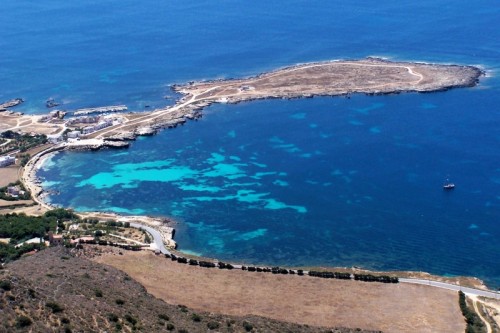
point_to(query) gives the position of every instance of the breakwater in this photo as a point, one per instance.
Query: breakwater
(102, 109)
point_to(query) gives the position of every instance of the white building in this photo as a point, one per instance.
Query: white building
(102, 124)
(6, 161)
(36, 240)
(55, 138)
(74, 134)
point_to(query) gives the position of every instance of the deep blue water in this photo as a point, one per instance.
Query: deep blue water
(324, 181)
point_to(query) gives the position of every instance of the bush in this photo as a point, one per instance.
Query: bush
(170, 327)
(98, 293)
(65, 320)
(23, 321)
(213, 325)
(5, 285)
(112, 317)
(54, 307)
(247, 326)
(61, 214)
(130, 319)
(32, 293)
(119, 301)
(206, 264)
(164, 317)
(196, 318)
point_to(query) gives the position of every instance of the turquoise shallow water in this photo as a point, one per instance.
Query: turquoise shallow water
(325, 181)
(342, 182)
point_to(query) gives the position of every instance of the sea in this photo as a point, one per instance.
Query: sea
(306, 182)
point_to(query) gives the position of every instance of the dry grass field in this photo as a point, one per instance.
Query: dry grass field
(303, 300)
(8, 175)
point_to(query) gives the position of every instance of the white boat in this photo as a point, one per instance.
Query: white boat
(448, 185)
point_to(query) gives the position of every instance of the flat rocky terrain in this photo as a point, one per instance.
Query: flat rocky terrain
(369, 76)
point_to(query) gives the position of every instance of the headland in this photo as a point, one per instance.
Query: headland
(331, 78)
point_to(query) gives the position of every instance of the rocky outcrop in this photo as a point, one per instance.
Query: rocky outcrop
(145, 131)
(9, 104)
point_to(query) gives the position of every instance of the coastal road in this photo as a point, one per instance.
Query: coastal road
(158, 240)
(449, 286)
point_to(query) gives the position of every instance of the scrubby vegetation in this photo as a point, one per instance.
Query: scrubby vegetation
(21, 227)
(376, 278)
(66, 302)
(474, 323)
(21, 142)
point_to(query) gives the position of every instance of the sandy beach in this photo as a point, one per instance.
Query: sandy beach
(30, 179)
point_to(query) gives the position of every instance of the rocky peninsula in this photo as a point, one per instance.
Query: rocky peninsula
(332, 78)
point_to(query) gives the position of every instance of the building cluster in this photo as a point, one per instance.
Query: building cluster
(100, 125)
(6, 161)
(84, 120)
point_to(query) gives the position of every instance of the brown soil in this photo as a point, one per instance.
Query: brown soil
(5, 203)
(8, 175)
(304, 300)
(35, 210)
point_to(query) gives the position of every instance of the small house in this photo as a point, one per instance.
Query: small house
(6, 161)
(55, 240)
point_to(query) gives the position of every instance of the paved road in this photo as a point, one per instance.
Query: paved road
(158, 240)
(477, 292)
(449, 286)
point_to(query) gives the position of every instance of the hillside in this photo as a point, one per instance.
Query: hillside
(53, 291)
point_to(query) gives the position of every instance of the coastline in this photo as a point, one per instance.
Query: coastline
(166, 228)
(188, 106)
